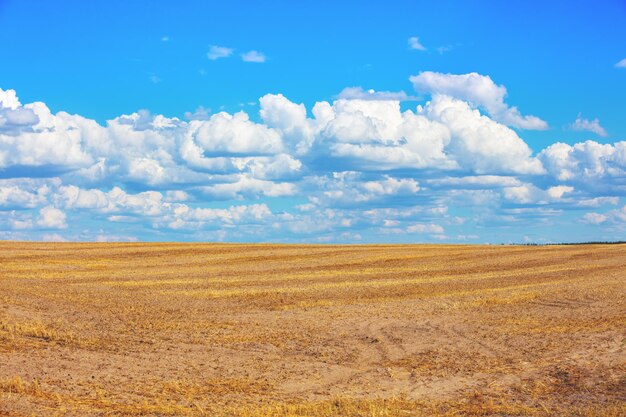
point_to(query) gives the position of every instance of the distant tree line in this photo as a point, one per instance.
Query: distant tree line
(611, 242)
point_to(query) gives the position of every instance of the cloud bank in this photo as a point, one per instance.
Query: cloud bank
(359, 168)
(479, 90)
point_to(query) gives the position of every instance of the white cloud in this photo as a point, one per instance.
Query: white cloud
(621, 64)
(531, 194)
(612, 219)
(281, 166)
(290, 119)
(425, 228)
(253, 56)
(184, 217)
(176, 196)
(227, 134)
(201, 113)
(9, 100)
(589, 126)
(145, 170)
(443, 49)
(479, 90)
(72, 196)
(392, 186)
(618, 216)
(445, 134)
(217, 52)
(476, 181)
(363, 121)
(369, 134)
(557, 192)
(104, 237)
(479, 143)
(598, 201)
(344, 189)
(43, 140)
(20, 223)
(358, 93)
(148, 203)
(375, 134)
(22, 193)
(585, 162)
(51, 218)
(15, 120)
(247, 187)
(53, 237)
(414, 43)
(351, 167)
(595, 218)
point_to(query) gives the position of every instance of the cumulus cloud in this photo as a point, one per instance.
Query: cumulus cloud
(478, 142)
(598, 201)
(226, 134)
(479, 90)
(367, 134)
(349, 187)
(53, 237)
(588, 126)
(476, 181)
(595, 218)
(530, 194)
(290, 121)
(425, 228)
(612, 219)
(51, 218)
(414, 43)
(23, 193)
(104, 237)
(621, 64)
(585, 162)
(247, 187)
(352, 93)
(31, 136)
(9, 100)
(253, 56)
(14, 118)
(185, 217)
(350, 168)
(201, 113)
(216, 52)
(443, 49)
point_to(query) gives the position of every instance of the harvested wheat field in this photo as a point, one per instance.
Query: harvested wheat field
(280, 330)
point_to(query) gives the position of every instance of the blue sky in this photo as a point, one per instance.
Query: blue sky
(406, 121)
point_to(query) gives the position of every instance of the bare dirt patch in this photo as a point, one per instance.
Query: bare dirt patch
(287, 330)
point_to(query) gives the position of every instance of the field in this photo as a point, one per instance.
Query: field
(281, 330)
